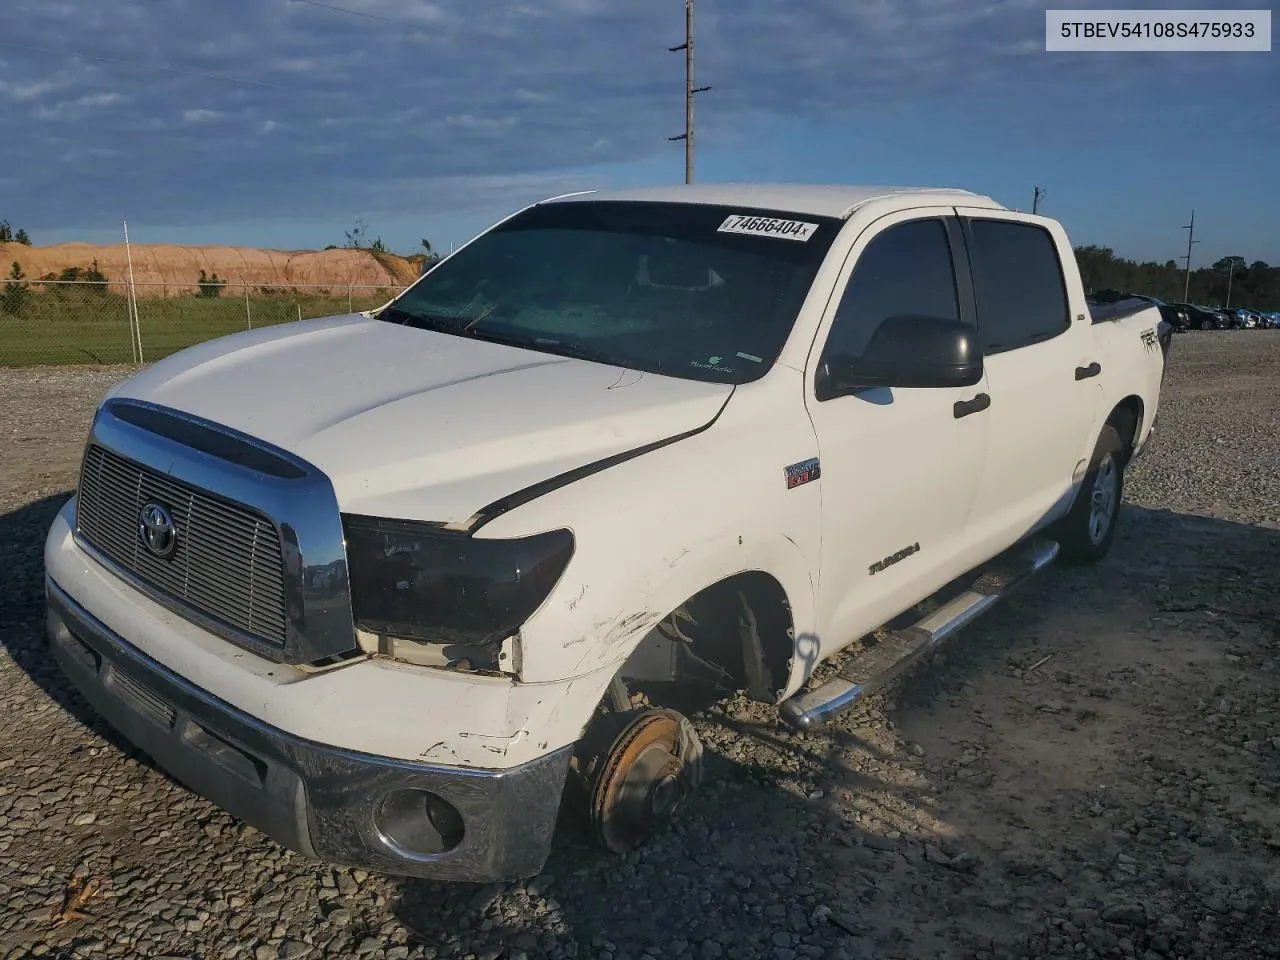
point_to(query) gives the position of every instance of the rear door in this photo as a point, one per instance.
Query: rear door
(900, 466)
(1043, 374)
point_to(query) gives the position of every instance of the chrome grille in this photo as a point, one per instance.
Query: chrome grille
(227, 565)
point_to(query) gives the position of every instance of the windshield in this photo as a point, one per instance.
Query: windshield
(694, 291)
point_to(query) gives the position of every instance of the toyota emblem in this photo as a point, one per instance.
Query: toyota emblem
(157, 531)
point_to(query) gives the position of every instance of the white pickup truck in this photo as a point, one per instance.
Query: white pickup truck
(392, 586)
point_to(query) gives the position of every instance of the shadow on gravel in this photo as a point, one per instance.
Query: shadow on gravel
(735, 878)
(22, 614)
(1178, 563)
(756, 869)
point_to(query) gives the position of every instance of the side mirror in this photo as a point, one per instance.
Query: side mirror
(907, 351)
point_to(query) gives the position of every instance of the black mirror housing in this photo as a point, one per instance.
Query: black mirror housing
(907, 351)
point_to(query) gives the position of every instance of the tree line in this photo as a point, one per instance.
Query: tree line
(1254, 286)
(9, 235)
(17, 287)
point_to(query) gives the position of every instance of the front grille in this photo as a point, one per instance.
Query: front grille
(227, 564)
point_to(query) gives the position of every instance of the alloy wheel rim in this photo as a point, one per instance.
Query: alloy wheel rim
(1103, 498)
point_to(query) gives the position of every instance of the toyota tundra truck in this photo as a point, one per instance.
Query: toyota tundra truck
(400, 588)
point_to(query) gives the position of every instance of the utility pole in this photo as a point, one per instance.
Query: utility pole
(689, 90)
(1035, 203)
(1231, 268)
(1191, 232)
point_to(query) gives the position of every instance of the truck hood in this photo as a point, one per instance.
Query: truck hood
(422, 425)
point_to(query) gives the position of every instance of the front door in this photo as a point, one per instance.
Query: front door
(900, 466)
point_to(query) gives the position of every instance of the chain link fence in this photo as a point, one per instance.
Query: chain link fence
(93, 322)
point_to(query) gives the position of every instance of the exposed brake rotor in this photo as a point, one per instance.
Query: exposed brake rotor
(652, 764)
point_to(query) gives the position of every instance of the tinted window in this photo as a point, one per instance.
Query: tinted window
(1018, 283)
(687, 290)
(906, 270)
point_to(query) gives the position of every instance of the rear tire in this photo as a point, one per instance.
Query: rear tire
(1086, 532)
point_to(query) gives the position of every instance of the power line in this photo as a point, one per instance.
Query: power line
(510, 8)
(354, 13)
(144, 66)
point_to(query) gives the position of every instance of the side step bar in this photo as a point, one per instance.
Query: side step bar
(878, 665)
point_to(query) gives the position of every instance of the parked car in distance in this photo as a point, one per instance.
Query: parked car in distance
(1227, 319)
(384, 585)
(1198, 318)
(1171, 313)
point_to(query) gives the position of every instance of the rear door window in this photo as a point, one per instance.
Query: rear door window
(1018, 282)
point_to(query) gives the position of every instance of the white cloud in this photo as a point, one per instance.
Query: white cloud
(524, 95)
(28, 91)
(99, 100)
(200, 115)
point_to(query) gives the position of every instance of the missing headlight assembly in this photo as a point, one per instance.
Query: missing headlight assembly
(440, 598)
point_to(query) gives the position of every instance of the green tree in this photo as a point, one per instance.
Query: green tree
(90, 279)
(22, 238)
(6, 232)
(1256, 287)
(209, 286)
(15, 291)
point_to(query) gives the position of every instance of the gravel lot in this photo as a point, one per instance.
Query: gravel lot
(1091, 771)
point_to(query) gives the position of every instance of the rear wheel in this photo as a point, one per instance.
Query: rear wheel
(1086, 532)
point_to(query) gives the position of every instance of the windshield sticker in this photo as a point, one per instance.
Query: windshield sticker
(747, 356)
(713, 363)
(768, 227)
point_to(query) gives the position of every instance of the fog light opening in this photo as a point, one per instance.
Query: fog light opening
(420, 823)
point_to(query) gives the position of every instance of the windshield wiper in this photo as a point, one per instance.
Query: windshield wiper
(467, 327)
(552, 346)
(426, 321)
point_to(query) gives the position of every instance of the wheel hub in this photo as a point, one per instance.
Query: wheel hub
(649, 768)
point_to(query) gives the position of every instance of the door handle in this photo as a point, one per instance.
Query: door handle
(965, 407)
(1092, 370)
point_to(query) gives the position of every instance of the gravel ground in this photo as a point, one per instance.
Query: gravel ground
(1091, 771)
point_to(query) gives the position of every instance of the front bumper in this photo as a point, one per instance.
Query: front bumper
(324, 802)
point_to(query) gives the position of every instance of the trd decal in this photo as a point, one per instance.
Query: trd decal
(804, 472)
(1150, 339)
(893, 558)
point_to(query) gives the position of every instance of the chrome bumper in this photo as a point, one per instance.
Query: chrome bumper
(329, 804)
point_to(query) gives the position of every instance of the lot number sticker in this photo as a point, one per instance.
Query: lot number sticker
(768, 227)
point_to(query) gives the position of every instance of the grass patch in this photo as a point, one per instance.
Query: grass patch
(89, 327)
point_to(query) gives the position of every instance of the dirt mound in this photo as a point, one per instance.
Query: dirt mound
(167, 270)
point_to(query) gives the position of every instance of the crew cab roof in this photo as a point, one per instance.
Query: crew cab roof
(819, 200)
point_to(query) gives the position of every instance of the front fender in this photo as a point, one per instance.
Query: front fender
(591, 626)
(657, 529)
(593, 622)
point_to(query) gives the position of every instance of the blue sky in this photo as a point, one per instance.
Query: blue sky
(280, 122)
